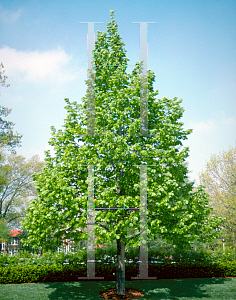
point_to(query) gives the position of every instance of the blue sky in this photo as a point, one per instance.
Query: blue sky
(191, 50)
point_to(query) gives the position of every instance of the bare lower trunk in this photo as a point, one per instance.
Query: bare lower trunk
(233, 240)
(120, 268)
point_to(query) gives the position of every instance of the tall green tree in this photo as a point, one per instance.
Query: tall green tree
(219, 178)
(117, 150)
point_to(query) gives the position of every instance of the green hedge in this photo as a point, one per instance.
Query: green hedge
(65, 273)
(43, 273)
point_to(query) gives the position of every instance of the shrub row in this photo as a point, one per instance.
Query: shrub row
(193, 270)
(48, 258)
(27, 258)
(40, 273)
(65, 273)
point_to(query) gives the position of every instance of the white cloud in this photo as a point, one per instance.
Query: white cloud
(212, 126)
(204, 126)
(32, 151)
(46, 148)
(229, 121)
(209, 137)
(37, 66)
(8, 16)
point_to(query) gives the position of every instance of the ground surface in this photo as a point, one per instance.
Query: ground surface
(178, 289)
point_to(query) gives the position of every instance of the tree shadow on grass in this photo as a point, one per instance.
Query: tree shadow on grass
(190, 288)
(77, 290)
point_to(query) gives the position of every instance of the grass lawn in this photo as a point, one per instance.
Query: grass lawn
(184, 289)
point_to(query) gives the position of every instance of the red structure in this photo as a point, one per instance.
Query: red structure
(13, 246)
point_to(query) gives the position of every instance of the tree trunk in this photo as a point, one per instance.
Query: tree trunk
(233, 240)
(120, 268)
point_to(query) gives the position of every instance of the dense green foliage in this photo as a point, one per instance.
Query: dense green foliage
(43, 273)
(175, 210)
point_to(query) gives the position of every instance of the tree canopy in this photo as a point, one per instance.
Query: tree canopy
(118, 150)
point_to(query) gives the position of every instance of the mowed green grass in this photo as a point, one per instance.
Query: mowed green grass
(184, 289)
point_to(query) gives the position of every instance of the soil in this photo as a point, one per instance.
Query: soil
(130, 293)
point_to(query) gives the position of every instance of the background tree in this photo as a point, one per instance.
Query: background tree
(4, 232)
(7, 138)
(3, 78)
(3, 171)
(18, 187)
(219, 178)
(117, 149)
(8, 141)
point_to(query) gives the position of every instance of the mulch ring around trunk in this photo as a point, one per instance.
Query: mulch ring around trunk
(130, 293)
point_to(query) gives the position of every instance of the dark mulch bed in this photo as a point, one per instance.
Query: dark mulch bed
(130, 293)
